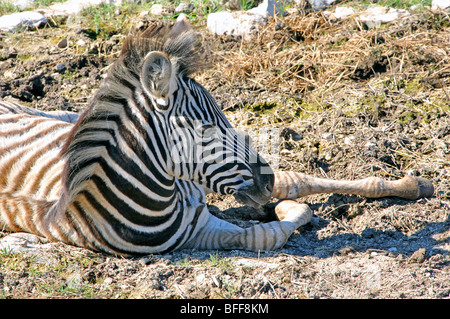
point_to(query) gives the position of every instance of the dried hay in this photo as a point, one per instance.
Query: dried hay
(300, 54)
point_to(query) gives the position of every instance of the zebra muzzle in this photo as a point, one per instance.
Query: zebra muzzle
(257, 194)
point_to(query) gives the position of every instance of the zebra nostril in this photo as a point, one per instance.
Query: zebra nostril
(269, 188)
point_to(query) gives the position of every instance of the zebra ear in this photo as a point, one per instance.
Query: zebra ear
(155, 77)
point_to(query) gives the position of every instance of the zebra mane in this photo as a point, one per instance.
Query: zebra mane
(179, 41)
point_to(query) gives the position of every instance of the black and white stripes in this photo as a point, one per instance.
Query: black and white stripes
(130, 176)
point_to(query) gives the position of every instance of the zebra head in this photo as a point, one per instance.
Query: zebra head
(201, 144)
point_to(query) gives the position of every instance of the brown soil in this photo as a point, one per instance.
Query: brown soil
(350, 102)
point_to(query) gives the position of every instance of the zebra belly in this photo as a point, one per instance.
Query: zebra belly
(109, 229)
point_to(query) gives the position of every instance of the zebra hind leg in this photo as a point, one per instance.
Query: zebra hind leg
(219, 234)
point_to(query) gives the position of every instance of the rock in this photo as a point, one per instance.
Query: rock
(242, 23)
(320, 4)
(62, 43)
(17, 20)
(267, 7)
(72, 7)
(238, 23)
(340, 13)
(81, 42)
(60, 67)
(23, 242)
(376, 16)
(370, 145)
(159, 10)
(245, 262)
(348, 140)
(437, 5)
(185, 8)
(418, 256)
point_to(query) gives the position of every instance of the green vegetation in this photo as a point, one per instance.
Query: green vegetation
(60, 273)
(215, 260)
(7, 7)
(404, 4)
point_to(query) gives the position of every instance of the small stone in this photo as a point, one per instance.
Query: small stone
(185, 8)
(349, 140)
(160, 10)
(217, 282)
(346, 250)
(200, 278)
(418, 256)
(267, 7)
(81, 42)
(143, 14)
(60, 67)
(4, 64)
(320, 4)
(370, 145)
(144, 261)
(63, 43)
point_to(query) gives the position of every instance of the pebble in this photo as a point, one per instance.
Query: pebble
(185, 8)
(418, 256)
(217, 282)
(159, 10)
(349, 140)
(320, 4)
(81, 42)
(60, 67)
(370, 145)
(200, 278)
(4, 64)
(63, 43)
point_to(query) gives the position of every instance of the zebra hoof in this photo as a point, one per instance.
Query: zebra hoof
(291, 211)
(425, 187)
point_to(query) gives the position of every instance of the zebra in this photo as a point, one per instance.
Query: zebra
(121, 178)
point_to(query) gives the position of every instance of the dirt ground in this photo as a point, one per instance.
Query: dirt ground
(349, 102)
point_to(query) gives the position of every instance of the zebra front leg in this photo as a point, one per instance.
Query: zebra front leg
(290, 185)
(219, 234)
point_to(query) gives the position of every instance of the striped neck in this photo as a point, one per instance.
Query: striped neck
(116, 150)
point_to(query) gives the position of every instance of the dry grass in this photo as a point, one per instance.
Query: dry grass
(312, 57)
